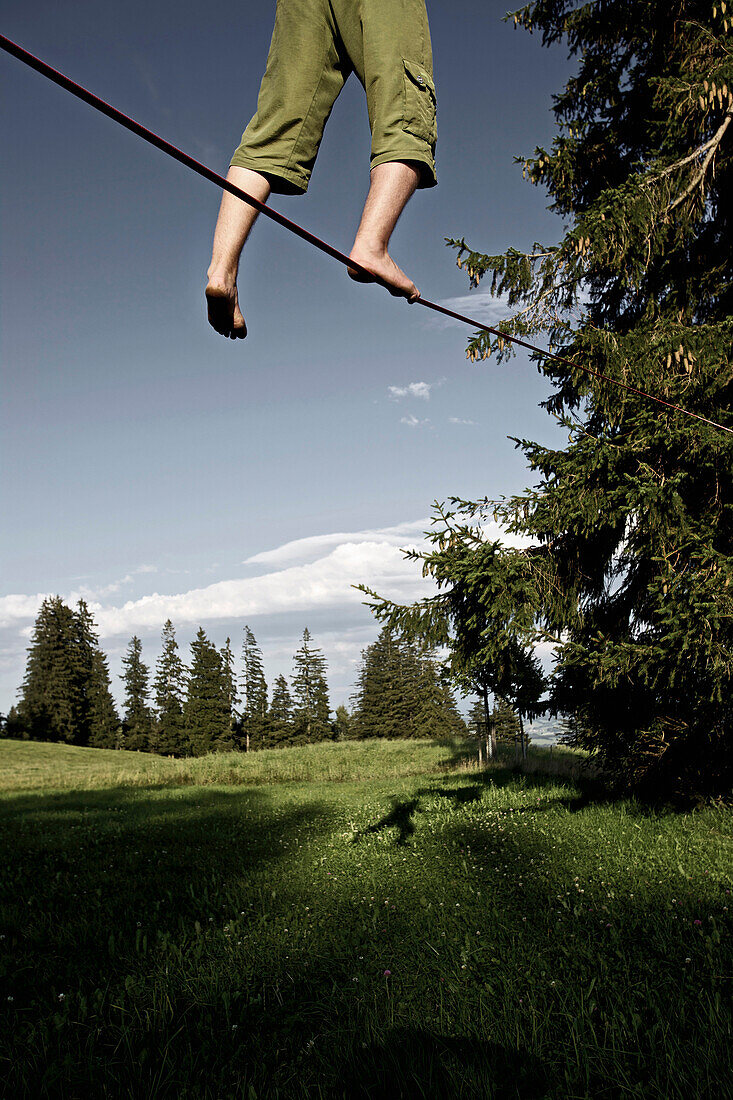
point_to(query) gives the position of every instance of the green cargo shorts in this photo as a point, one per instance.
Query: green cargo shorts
(316, 45)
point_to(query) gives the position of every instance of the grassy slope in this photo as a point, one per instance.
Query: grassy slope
(26, 765)
(216, 941)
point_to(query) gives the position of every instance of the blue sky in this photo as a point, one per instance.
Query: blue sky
(154, 467)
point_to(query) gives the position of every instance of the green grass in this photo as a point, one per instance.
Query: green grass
(189, 939)
(28, 765)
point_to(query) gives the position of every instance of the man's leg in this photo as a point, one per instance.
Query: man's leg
(388, 43)
(306, 70)
(233, 226)
(392, 185)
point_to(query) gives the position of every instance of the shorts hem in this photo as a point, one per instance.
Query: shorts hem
(283, 181)
(428, 177)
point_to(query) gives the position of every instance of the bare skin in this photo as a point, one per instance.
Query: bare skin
(391, 187)
(233, 226)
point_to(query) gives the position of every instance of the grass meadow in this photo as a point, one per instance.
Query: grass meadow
(373, 920)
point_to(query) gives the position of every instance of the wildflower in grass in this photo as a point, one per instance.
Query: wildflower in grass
(62, 996)
(697, 923)
(688, 960)
(387, 973)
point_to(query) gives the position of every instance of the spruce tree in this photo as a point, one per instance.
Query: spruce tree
(97, 720)
(401, 693)
(477, 720)
(381, 700)
(105, 728)
(254, 693)
(630, 524)
(341, 724)
(436, 712)
(227, 738)
(280, 716)
(138, 720)
(169, 688)
(49, 697)
(207, 707)
(310, 693)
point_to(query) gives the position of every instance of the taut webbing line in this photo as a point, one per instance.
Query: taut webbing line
(201, 169)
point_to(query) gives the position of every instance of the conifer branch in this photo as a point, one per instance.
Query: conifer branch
(711, 147)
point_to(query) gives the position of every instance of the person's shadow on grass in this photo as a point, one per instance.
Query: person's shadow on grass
(399, 817)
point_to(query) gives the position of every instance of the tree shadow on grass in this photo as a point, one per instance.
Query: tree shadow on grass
(411, 1063)
(89, 864)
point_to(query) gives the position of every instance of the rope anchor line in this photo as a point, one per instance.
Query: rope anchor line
(183, 158)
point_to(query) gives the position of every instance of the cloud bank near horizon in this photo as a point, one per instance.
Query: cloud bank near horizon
(307, 581)
(317, 573)
(314, 573)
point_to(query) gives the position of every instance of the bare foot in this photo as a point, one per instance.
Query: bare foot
(223, 306)
(380, 263)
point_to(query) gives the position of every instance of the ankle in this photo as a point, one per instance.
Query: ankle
(220, 274)
(373, 246)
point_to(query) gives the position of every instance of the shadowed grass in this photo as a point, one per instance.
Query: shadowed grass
(461, 934)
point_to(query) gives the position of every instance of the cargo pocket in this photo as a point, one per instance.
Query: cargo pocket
(419, 106)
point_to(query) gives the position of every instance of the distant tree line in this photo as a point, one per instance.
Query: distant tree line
(215, 703)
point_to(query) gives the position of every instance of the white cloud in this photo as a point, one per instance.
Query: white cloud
(413, 389)
(324, 583)
(308, 549)
(460, 420)
(311, 574)
(16, 609)
(305, 581)
(413, 422)
(307, 574)
(481, 306)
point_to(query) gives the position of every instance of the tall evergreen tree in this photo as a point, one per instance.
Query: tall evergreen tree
(631, 552)
(436, 713)
(138, 719)
(206, 710)
(280, 716)
(310, 692)
(97, 719)
(341, 724)
(401, 693)
(629, 525)
(169, 689)
(48, 705)
(227, 739)
(254, 693)
(381, 702)
(105, 728)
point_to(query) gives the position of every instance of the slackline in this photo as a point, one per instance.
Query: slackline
(292, 227)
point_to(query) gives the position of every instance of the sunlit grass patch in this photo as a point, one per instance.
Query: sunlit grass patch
(26, 765)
